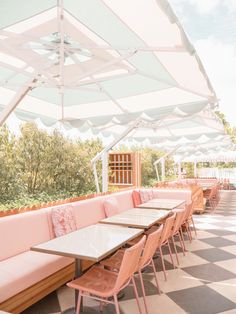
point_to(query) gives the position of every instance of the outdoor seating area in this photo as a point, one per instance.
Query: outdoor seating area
(41, 221)
(187, 258)
(110, 222)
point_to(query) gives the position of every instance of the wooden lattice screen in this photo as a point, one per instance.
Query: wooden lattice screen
(124, 169)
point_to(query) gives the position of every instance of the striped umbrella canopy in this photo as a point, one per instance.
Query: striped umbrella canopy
(94, 64)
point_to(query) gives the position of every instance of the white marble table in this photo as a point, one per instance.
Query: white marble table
(137, 218)
(91, 243)
(162, 203)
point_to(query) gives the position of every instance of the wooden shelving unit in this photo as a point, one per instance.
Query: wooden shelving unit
(124, 169)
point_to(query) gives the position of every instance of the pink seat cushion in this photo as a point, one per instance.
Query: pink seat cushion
(111, 206)
(146, 195)
(23, 270)
(63, 220)
(136, 198)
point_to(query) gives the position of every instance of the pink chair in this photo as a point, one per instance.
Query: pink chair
(146, 259)
(100, 284)
(165, 236)
(226, 185)
(187, 221)
(180, 214)
(218, 193)
(211, 197)
(191, 221)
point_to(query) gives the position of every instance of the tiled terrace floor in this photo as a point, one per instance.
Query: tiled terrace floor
(204, 283)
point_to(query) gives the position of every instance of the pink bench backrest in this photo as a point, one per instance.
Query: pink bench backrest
(88, 212)
(124, 200)
(91, 211)
(19, 232)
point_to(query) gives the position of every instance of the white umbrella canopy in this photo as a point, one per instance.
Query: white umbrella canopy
(186, 141)
(220, 155)
(197, 151)
(202, 143)
(94, 63)
(171, 131)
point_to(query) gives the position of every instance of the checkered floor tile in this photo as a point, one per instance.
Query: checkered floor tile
(203, 283)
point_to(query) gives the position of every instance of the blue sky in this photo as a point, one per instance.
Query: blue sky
(211, 27)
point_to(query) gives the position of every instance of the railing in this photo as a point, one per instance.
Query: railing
(219, 173)
(23, 209)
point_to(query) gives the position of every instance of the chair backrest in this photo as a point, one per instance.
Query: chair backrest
(180, 214)
(212, 194)
(129, 264)
(168, 225)
(151, 245)
(188, 212)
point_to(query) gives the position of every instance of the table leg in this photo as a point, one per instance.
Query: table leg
(78, 273)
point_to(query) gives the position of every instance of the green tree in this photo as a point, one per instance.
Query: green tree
(31, 151)
(9, 185)
(38, 166)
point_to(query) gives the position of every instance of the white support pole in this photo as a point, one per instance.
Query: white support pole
(104, 66)
(126, 48)
(195, 169)
(157, 173)
(160, 160)
(60, 17)
(16, 100)
(105, 172)
(44, 64)
(167, 154)
(179, 170)
(116, 140)
(105, 151)
(100, 87)
(95, 173)
(163, 169)
(102, 79)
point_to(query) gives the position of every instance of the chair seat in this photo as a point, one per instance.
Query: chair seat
(97, 281)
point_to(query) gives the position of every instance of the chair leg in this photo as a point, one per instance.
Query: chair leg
(212, 205)
(79, 302)
(163, 263)
(188, 232)
(181, 242)
(143, 290)
(182, 237)
(155, 275)
(116, 304)
(195, 230)
(136, 295)
(176, 253)
(101, 306)
(170, 252)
